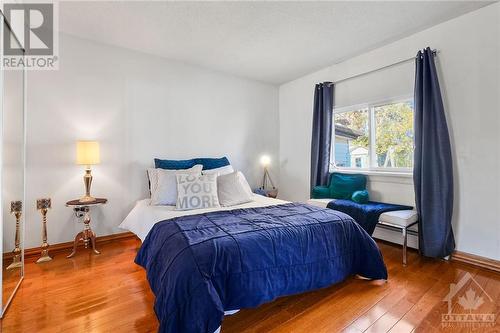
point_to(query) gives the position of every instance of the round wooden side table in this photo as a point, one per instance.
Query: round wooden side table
(82, 210)
(267, 193)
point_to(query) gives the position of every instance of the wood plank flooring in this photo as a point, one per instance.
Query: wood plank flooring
(109, 293)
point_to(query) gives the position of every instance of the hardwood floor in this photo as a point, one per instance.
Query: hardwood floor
(87, 293)
(109, 293)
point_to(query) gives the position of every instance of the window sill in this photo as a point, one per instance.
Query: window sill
(375, 173)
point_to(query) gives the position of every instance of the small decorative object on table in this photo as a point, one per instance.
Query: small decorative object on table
(267, 189)
(43, 205)
(16, 208)
(82, 210)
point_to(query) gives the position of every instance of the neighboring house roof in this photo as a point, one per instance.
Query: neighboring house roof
(361, 151)
(346, 132)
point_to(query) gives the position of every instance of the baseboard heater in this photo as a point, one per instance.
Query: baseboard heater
(393, 235)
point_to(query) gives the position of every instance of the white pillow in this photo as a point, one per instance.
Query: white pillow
(196, 192)
(233, 189)
(219, 171)
(164, 184)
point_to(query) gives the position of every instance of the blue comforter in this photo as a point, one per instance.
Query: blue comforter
(198, 266)
(366, 214)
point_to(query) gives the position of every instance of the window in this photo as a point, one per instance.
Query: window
(374, 136)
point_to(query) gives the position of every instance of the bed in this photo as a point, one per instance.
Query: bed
(201, 264)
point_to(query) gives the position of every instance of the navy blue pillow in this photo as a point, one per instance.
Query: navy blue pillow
(174, 164)
(212, 163)
(208, 163)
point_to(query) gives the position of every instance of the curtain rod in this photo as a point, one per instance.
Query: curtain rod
(434, 53)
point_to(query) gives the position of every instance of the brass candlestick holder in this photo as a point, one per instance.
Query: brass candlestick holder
(43, 205)
(16, 208)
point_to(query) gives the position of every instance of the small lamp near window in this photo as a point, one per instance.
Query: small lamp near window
(267, 182)
(87, 153)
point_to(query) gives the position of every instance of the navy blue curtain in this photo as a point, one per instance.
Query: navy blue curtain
(321, 133)
(433, 169)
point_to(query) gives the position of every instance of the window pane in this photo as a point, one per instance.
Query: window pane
(394, 135)
(351, 139)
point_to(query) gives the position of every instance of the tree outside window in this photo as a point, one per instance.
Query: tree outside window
(388, 125)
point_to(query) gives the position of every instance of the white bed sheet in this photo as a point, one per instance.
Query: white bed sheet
(143, 216)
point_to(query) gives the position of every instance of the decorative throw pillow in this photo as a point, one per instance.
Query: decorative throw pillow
(212, 163)
(233, 189)
(360, 197)
(196, 192)
(207, 162)
(164, 184)
(219, 171)
(174, 164)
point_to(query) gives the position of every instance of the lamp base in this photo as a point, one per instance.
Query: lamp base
(44, 257)
(86, 198)
(16, 262)
(87, 180)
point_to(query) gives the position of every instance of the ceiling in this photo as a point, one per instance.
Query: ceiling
(272, 42)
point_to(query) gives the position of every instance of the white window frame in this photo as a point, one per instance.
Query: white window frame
(372, 168)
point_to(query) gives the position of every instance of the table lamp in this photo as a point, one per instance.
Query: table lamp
(265, 161)
(87, 153)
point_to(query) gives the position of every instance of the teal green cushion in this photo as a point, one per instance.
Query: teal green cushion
(343, 185)
(360, 197)
(320, 192)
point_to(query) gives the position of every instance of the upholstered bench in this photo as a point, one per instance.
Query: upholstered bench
(401, 219)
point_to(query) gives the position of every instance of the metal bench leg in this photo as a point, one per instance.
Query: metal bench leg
(405, 240)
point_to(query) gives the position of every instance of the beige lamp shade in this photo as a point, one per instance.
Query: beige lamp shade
(87, 152)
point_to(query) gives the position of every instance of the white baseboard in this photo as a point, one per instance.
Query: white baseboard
(394, 236)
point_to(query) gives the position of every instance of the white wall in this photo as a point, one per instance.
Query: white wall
(138, 107)
(468, 64)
